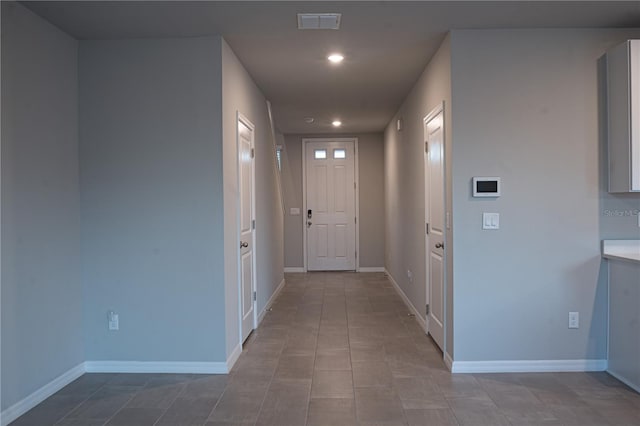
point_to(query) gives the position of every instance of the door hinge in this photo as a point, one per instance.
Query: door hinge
(355, 220)
(253, 153)
(427, 228)
(354, 185)
(356, 255)
(426, 147)
(253, 224)
(427, 309)
(255, 296)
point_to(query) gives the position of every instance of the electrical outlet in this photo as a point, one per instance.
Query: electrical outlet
(114, 321)
(574, 320)
(410, 275)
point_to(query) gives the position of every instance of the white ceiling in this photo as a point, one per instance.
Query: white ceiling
(386, 44)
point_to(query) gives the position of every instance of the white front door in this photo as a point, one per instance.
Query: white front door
(330, 205)
(247, 224)
(435, 218)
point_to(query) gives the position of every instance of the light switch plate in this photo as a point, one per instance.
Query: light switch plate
(491, 221)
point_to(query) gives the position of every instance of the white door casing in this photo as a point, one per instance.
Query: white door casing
(436, 224)
(246, 244)
(330, 204)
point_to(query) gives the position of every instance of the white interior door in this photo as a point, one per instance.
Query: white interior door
(330, 216)
(435, 218)
(247, 224)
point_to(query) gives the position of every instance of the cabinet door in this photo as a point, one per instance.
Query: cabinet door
(634, 113)
(624, 322)
(623, 107)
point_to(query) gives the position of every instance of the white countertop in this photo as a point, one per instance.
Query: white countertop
(621, 250)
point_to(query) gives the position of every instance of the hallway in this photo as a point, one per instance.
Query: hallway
(339, 349)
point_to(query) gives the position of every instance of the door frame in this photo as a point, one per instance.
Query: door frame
(304, 194)
(241, 118)
(439, 109)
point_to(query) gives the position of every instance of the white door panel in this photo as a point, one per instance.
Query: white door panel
(435, 217)
(330, 195)
(246, 187)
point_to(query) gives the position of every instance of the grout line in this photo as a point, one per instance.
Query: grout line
(184, 389)
(81, 402)
(126, 403)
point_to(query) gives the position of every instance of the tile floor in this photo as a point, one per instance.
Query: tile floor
(339, 349)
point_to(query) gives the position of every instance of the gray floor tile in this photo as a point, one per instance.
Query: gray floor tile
(136, 417)
(337, 359)
(188, 412)
(332, 412)
(371, 373)
(295, 367)
(240, 404)
(285, 404)
(578, 416)
(477, 411)
(211, 386)
(367, 351)
(156, 396)
(85, 385)
(378, 406)
(49, 411)
(332, 384)
(104, 403)
(132, 379)
(79, 422)
(419, 393)
(436, 417)
(527, 416)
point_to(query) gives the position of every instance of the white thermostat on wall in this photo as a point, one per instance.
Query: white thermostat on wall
(486, 186)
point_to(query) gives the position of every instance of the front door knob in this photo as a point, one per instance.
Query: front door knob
(244, 244)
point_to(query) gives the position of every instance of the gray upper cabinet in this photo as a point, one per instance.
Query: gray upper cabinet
(623, 97)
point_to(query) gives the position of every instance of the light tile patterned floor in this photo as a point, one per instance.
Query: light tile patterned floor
(339, 349)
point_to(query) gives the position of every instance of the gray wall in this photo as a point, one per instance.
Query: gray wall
(405, 183)
(525, 107)
(371, 178)
(240, 94)
(152, 185)
(41, 290)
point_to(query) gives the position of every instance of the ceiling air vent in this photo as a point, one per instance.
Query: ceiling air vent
(319, 21)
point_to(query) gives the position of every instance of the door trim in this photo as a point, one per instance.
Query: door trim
(304, 194)
(241, 118)
(439, 109)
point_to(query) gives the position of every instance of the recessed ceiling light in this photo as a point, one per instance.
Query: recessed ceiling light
(309, 120)
(335, 58)
(336, 123)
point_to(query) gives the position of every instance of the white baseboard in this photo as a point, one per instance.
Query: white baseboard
(421, 320)
(371, 269)
(448, 361)
(26, 404)
(633, 386)
(532, 366)
(156, 367)
(231, 360)
(293, 270)
(272, 299)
